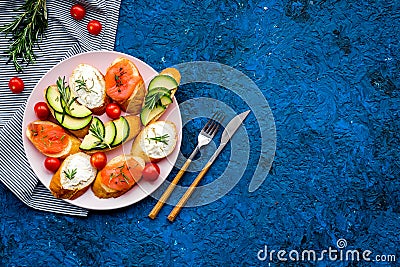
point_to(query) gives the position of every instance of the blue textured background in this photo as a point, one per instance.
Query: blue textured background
(330, 71)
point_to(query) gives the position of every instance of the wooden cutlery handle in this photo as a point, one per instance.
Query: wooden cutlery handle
(188, 193)
(169, 190)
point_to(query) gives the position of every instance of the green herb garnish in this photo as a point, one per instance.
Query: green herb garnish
(162, 139)
(117, 78)
(66, 97)
(70, 174)
(26, 30)
(82, 85)
(96, 131)
(125, 178)
(153, 100)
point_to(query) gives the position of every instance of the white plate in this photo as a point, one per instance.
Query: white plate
(100, 60)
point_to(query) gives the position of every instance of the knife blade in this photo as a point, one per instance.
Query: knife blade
(227, 134)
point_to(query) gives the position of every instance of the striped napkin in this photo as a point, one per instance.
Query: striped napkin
(64, 37)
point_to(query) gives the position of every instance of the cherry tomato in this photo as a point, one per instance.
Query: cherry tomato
(16, 85)
(42, 110)
(98, 160)
(151, 172)
(113, 111)
(52, 164)
(78, 12)
(94, 27)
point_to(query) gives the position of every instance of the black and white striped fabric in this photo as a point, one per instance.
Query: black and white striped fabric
(64, 37)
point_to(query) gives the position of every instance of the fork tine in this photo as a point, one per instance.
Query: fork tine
(214, 126)
(220, 117)
(211, 126)
(210, 121)
(214, 130)
(220, 120)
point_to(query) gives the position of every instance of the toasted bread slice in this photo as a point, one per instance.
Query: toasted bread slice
(80, 133)
(156, 141)
(118, 176)
(51, 139)
(74, 177)
(88, 84)
(125, 85)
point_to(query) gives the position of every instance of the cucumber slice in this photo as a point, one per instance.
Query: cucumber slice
(72, 123)
(165, 100)
(165, 81)
(161, 90)
(78, 111)
(54, 100)
(123, 130)
(106, 132)
(147, 114)
(97, 126)
(110, 132)
(90, 142)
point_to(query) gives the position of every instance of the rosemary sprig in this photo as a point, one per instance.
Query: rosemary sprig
(65, 94)
(153, 100)
(162, 139)
(96, 131)
(26, 30)
(70, 174)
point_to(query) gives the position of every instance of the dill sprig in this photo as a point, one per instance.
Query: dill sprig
(26, 30)
(70, 174)
(162, 139)
(124, 177)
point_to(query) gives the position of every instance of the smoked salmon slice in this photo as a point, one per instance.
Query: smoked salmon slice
(122, 176)
(48, 138)
(122, 77)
